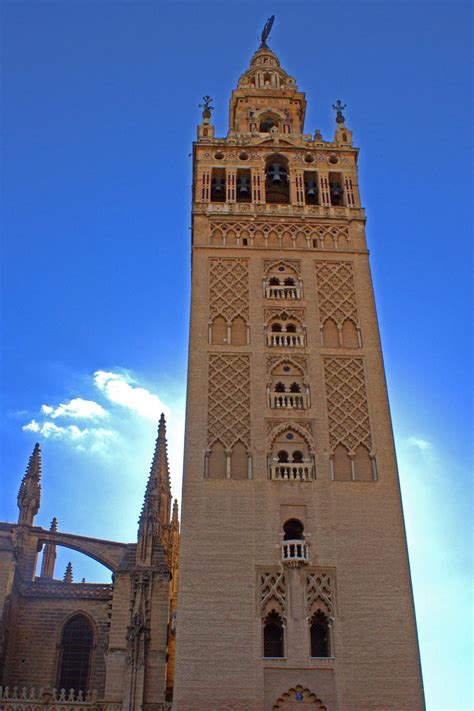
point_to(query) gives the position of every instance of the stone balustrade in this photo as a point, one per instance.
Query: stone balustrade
(282, 292)
(288, 401)
(295, 553)
(291, 472)
(285, 340)
(46, 699)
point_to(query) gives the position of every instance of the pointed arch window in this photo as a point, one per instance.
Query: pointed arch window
(77, 640)
(319, 635)
(273, 638)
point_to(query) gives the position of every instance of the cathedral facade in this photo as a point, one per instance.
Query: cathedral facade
(294, 583)
(83, 646)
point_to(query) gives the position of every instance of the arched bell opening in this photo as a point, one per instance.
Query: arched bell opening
(277, 182)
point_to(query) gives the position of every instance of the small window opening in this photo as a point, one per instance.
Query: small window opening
(245, 241)
(274, 281)
(291, 328)
(266, 125)
(218, 185)
(311, 188)
(289, 281)
(277, 186)
(297, 457)
(293, 530)
(276, 328)
(273, 635)
(335, 188)
(282, 456)
(280, 387)
(295, 388)
(243, 186)
(319, 632)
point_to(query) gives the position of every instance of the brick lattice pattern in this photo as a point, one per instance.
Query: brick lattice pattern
(348, 411)
(229, 288)
(229, 399)
(336, 292)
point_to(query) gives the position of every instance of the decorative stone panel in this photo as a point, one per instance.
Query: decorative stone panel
(229, 399)
(348, 411)
(229, 288)
(272, 587)
(336, 292)
(320, 590)
(283, 234)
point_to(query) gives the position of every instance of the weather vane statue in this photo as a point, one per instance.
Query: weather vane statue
(206, 107)
(339, 108)
(266, 31)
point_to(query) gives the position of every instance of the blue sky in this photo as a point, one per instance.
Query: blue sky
(100, 104)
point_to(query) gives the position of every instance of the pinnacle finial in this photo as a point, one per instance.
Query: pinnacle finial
(54, 525)
(68, 573)
(175, 516)
(207, 110)
(339, 108)
(29, 494)
(266, 31)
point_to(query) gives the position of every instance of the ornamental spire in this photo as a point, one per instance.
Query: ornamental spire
(29, 495)
(49, 553)
(68, 577)
(156, 508)
(175, 517)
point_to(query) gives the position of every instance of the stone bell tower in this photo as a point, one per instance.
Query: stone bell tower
(294, 584)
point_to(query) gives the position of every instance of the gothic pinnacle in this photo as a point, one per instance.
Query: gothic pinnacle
(158, 481)
(54, 525)
(175, 516)
(68, 574)
(29, 494)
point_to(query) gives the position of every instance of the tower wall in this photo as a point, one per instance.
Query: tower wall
(285, 283)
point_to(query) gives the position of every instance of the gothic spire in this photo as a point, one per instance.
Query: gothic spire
(29, 495)
(175, 517)
(68, 574)
(156, 507)
(49, 554)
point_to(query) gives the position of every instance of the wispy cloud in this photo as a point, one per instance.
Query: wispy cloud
(77, 407)
(87, 438)
(121, 389)
(419, 443)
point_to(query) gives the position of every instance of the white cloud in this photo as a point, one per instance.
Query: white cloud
(120, 389)
(85, 439)
(77, 407)
(419, 443)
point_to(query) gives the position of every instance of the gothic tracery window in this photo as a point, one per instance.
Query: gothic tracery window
(76, 654)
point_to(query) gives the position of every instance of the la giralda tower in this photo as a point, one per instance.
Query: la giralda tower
(295, 587)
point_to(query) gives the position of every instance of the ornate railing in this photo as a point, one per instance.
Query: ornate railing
(282, 292)
(285, 340)
(291, 472)
(295, 553)
(291, 401)
(46, 699)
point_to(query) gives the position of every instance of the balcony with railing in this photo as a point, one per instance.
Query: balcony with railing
(284, 339)
(288, 401)
(295, 553)
(282, 291)
(300, 471)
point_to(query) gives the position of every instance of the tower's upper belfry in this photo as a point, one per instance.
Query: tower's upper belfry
(266, 97)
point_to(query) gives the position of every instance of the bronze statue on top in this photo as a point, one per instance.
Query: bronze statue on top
(266, 31)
